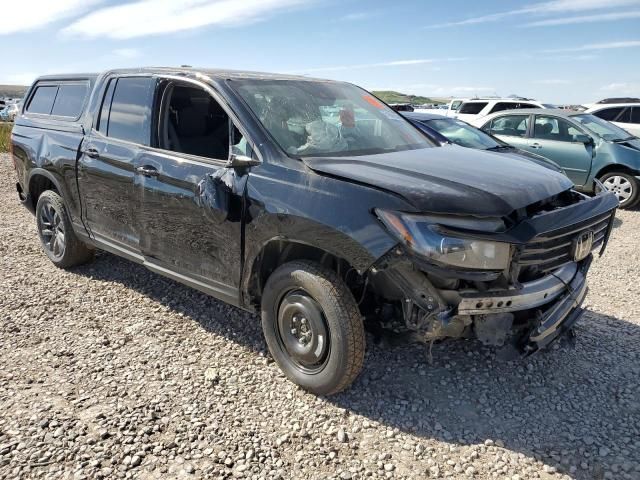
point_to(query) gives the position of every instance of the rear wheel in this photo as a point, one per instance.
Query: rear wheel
(313, 327)
(624, 186)
(58, 239)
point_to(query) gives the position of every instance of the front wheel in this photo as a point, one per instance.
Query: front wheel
(625, 186)
(313, 327)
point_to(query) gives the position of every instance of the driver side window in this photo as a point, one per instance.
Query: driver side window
(193, 122)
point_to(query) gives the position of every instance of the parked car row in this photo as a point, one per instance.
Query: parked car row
(9, 112)
(313, 203)
(582, 144)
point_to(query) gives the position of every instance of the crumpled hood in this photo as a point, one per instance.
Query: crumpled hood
(444, 180)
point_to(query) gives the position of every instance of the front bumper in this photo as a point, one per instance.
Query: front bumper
(560, 317)
(532, 294)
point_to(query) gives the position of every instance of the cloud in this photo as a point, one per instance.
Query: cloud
(543, 8)
(598, 46)
(602, 17)
(623, 88)
(553, 81)
(23, 15)
(155, 17)
(23, 78)
(392, 63)
(357, 16)
(127, 52)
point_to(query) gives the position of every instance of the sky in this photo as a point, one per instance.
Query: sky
(559, 51)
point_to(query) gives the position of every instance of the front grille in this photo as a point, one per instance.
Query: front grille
(552, 249)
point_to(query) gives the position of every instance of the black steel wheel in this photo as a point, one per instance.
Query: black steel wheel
(302, 331)
(313, 327)
(58, 239)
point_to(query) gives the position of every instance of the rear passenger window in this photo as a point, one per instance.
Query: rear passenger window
(130, 112)
(42, 99)
(510, 125)
(70, 100)
(472, 108)
(635, 115)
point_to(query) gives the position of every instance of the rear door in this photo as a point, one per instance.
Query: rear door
(556, 139)
(512, 129)
(110, 154)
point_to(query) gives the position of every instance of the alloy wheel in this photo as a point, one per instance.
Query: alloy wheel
(620, 186)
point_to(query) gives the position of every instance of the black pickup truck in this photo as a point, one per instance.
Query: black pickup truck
(311, 202)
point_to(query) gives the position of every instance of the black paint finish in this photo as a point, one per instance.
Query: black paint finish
(205, 224)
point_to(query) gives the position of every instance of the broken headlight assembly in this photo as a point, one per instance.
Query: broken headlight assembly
(424, 236)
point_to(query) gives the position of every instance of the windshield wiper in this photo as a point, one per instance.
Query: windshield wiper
(618, 140)
(499, 147)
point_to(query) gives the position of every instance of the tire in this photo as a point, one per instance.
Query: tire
(58, 239)
(327, 356)
(625, 186)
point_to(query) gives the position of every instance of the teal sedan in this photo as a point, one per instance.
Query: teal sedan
(585, 146)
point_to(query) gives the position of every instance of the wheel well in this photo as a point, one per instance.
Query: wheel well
(279, 252)
(616, 168)
(39, 184)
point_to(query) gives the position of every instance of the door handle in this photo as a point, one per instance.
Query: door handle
(536, 145)
(91, 152)
(148, 171)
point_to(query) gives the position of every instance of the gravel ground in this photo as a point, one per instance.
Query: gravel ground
(108, 370)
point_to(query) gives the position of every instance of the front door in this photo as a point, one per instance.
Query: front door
(560, 141)
(106, 169)
(190, 202)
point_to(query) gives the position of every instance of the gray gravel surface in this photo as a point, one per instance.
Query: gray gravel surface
(110, 371)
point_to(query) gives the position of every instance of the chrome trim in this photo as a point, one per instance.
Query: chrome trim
(532, 294)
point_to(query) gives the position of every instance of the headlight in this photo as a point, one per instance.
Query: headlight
(426, 239)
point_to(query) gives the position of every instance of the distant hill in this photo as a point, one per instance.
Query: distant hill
(389, 96)
(13, 91)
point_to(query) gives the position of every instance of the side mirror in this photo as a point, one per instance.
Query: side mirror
(239, 161)
(586, 139)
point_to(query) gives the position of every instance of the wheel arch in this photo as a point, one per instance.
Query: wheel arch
(39, 181)
(280, 250)
(616, 167)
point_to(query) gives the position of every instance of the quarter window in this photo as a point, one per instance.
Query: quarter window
(70, 99)
(625, 116)
(130, 110)
(472, 108)
(510, 125)
(500, 106)
(608, 114)
(42, 99)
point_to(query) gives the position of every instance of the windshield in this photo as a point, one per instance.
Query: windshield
(462, 134)
(602, 128)
(313, 118)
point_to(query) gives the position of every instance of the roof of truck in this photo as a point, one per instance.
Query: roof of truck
(188, 72)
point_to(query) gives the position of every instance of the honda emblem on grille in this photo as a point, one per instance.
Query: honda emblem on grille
(582, 245)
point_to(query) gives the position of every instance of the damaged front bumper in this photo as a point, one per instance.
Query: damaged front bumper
(527, 306)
